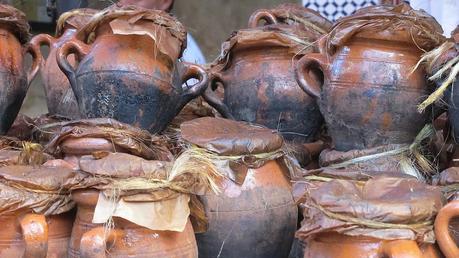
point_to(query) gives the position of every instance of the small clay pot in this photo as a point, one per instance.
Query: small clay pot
(256, 219)
(334, 245)
(442, 227)
(366, 90)
(127, 78)
(34, 235)
(126, 239)
(59, 95)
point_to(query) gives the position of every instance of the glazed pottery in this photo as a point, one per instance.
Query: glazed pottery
(334, 245)
(445, 222)
(126, 239)
(128, 78)
(59, 95)
(256, 219)
(34, 235)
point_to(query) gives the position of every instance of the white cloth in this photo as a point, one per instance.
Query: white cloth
(445, 11)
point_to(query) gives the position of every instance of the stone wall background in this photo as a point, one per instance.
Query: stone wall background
(209, 21)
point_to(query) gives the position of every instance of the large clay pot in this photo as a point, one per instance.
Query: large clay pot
(259, 87)
(34, 235)
(127, 78)
(14, 80)
(255, 219)
(59, 95)
(334, 245)
(446, 222)
(126, 239)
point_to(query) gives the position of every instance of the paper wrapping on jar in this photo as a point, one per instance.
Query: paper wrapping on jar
(386, 208)
(16, 21)
(390, 21)
(42, 190)
(123, 136)
(167, 32)
(448, 180)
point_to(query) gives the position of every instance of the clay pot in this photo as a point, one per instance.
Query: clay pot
(59, 96)
(126, 77)
(126, 239)
(366, 90)
(34, 235)
(255, 219)
(14, 80)
(259, 87)
(445, 219)
(334, 245)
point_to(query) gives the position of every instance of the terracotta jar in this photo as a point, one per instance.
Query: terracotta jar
(14, 80)
(129, 69)
(256, 72)
(126, 239)
(254, 215)
(362, 78)
(443, 227)
(59, 96)
(373, 218)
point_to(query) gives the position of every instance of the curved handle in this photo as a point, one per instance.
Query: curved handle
(80, 50)
(37, 59)
(445, 241)
(35, 233)
(193, 71)
(401, 248)
(97, 241)
(310, 73)
(259, 15)
(212, 98)
(42, 40)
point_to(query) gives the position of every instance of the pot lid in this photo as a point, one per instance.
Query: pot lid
(76, 18)
(228, 137)
(16, 21)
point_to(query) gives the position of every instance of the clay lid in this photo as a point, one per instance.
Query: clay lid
(121, 165)
(132, 20)
(16, 21)
(228, 137)
(40, 178)
(76, 19)
(394, 23)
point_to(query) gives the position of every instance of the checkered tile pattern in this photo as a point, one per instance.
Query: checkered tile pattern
(334, 9)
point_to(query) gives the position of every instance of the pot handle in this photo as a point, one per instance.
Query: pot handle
(259, 15)
(401, 248)
(80, 50)
(95, 242)
(194, 71)
(37, 59)
(445, 241)
(35, 233)
(42, 40)
(310, 72)
(212, 98)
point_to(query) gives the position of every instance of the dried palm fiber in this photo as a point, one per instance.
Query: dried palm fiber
(387, 22)
(22, 128)
(404, 158)
(297, 40)
(443, 65)
(16, 152)
(41, 190)
(46, 126)
(76, 18)
(124, 137)
(167, 32)
(15, 21)
(387, 208)
(131, 179)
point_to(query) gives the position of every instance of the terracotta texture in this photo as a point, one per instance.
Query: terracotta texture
(14, 79)
(126, 239)
(59, 95)
(125, 74)
(443, 224)
(33, 235)
(362, 77)
(256, 72)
